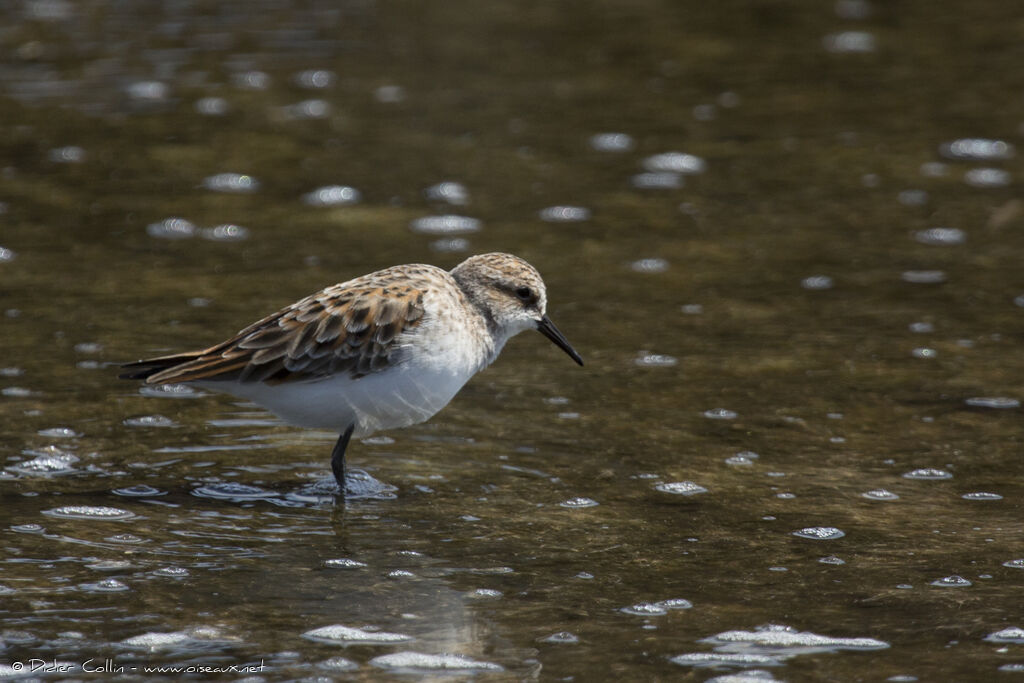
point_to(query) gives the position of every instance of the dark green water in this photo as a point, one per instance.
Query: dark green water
(771, 302)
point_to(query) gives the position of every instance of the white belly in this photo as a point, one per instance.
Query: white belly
(397, 397)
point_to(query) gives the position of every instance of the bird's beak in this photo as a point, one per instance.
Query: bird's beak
(548, 329)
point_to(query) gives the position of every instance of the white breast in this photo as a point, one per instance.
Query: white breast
(435, 361)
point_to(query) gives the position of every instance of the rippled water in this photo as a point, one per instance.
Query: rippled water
(786, 238)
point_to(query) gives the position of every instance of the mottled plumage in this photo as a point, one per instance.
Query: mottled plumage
(384, 350)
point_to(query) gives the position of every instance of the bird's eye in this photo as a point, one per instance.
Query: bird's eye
(524, 293)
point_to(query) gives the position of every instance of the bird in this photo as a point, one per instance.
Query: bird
(382, 351)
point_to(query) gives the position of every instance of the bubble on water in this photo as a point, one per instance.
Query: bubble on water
(1010, 634)
(654, 609)
(90, 512)
(692, 309)
(561, 638)
(400, 574)
(927, 473)
(6, 255)
(649, 265)
(148, 91)
(125, 538)
(212, 106)
(105, 586)
(72, 154)
(59, 433)
(645, 609)
(995, 402)
(251, 80)
(787, 641)
(720, 414)
(419, 662)
(233, 491)
(934, 169)
(987, 177)
(308, 109)
(912, 197)
(717, 660)
(344, 563)
(655, 360)
(831, 559)
(47, 461)
(389, 94)
(445, 225)
(228, 232)
(611, 142)
(924, 353)
(941, 236)
(564, 214)
(657, 181)
(953, 581)
(817, 282)
(579, 502)
(484, 594)
(921, 327)
(981, 495)
(236, 183)
(450, 246)
(705, 112)
(338, 634)
(923, 277)
(314, 79)
(879, 494)
(675, 603)
(332, 195)
(1012, 564)
(675, 162)
(729, 100)
(171, 229)
(820, 533)
(977, 149)
(172, 572)
(139, 491)
(170, 391)
(448, 191)
(28, 528)
(681, 488)
(157, 641)
(738, 460)
(337, 665)
(150, 421)
(850, 42)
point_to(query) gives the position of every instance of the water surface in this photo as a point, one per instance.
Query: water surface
(786, 239)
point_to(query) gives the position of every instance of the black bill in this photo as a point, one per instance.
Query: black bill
(548, 329)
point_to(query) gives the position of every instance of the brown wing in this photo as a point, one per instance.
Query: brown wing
(341, 330)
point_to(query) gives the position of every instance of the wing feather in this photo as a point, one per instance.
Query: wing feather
(350, 328)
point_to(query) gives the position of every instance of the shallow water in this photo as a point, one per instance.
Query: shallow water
(786, 239)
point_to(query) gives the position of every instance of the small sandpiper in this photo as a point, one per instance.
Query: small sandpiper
(385, 350)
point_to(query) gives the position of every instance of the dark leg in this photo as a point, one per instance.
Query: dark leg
(338, 458)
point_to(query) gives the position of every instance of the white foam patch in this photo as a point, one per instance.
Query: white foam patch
(337, 634)
(418, 661)
(787, 641)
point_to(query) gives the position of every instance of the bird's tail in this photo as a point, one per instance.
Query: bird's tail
(144, 369)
